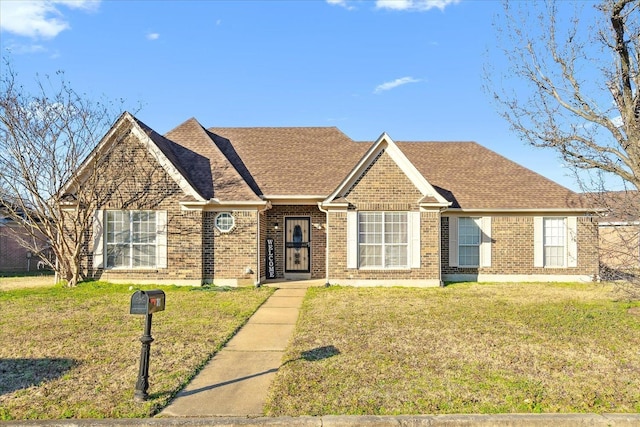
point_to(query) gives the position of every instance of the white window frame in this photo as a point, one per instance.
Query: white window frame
(384, 244)
(484, 248)
(554, 242)
(225, 216)
(569, 247)
(464, 244)
(100, 244)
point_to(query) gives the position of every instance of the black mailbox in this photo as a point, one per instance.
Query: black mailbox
(147, 302)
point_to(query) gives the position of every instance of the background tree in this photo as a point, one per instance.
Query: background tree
(572, 86)
(44, 139)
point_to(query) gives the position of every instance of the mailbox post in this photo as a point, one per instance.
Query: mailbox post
(145, 303)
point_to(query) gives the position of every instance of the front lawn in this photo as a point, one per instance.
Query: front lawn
(466, 348)
(74, 353)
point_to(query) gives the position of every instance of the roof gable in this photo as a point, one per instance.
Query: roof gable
(155, 143)
(207, 165)
(385, 144)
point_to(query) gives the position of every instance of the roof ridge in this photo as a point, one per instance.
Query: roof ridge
(203, 133)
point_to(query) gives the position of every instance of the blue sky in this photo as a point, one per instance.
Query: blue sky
(411, 68)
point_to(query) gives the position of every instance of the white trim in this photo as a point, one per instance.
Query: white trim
(161, 282)
(538, 241)
(572, 242)
(98, 239)
(233, 222)
(215, 205)
(352, 239)
(413, 225)
(108, 141)
(485, 241)
(453, 241)
(166, 164)
(384, 142)
(161, 239)
(524, 278)
(415, 283)
(555, 211)
(277, 199)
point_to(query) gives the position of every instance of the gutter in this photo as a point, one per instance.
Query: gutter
(326, 256)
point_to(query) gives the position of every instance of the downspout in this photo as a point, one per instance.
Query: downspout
(259, 244)
(326, 255)
(440, 245)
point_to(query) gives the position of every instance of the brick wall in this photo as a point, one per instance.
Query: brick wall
(143, 184)
(235, 251)
(277, 214)
(512, 249)
(384, 187)
(13, 257)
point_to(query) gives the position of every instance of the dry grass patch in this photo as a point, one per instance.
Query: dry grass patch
(465, 348)
(74, 353)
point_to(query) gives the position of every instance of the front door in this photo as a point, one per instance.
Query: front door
(297, 245)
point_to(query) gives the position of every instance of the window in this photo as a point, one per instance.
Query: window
(555, 242)
(224, 222)
(130, 238)
(554, 238)
(469, 240)
(383, 239)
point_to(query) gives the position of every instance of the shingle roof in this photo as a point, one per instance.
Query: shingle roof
(246, 163)
(474, 177)
(211, 172)
(295, 161)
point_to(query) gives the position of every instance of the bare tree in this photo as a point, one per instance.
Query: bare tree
(572, 86)
(45, 138)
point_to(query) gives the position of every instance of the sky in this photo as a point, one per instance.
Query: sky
(411, 68)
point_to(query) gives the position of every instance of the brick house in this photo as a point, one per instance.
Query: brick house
(14, 257)
(619, 233)
(243, 206)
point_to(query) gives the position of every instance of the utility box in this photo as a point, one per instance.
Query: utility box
(147, 302)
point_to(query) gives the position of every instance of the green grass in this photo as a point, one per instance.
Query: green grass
(74, 352)
(467, 348)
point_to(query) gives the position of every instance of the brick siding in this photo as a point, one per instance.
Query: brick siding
(512, 249)
(384, 187)
(277, 214)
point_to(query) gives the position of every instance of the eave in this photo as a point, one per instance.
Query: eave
(219, 205)
(280, 199)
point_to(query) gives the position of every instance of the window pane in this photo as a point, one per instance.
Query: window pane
(469, 239)
(383, 239)
(130, 238)
(117, 255)
(554, 242)
(468, 232)
(370, 256)
(395, 228)
(395, 256)
(469, 256)
(144, 255)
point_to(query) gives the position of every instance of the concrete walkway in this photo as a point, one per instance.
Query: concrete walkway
(235, 382)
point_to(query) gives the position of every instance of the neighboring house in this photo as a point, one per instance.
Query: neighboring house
(619, 233)
(241, 206)
(14, 257)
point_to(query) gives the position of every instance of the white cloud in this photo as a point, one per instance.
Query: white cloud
(342, 3)
(38, 18)
(394, 84)
(153, 36)
(419, 5)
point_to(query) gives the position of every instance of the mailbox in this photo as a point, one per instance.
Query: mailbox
(147, 302)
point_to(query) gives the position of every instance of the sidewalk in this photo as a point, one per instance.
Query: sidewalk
(235, 382)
